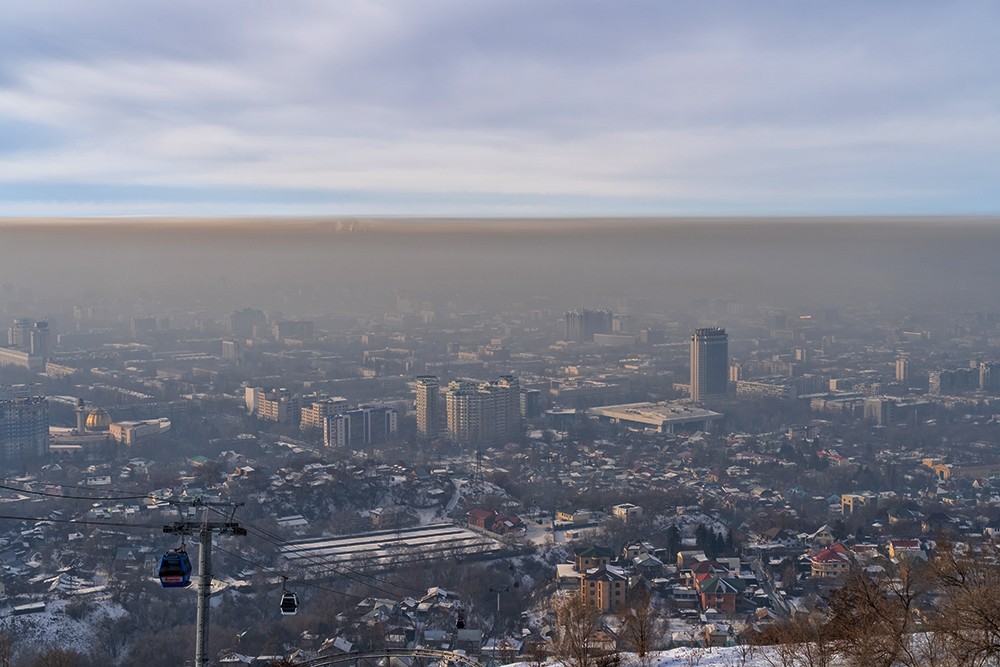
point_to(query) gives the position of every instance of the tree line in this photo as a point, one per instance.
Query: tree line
(942, 612)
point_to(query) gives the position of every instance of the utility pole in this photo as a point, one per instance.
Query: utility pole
(205, 529)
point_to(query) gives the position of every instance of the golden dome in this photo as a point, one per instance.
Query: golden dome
(98, 420)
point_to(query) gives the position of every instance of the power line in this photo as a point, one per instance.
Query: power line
(335, 569)
(275, 540)
(333, 565)
(81, 522)
(304, 582)
(67, 497)
(84, 487)
(347, 573)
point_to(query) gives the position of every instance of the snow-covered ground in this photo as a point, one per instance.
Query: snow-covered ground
(57, 629)
(730, 656)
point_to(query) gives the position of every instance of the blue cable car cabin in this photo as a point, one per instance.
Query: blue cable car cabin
(175, 569)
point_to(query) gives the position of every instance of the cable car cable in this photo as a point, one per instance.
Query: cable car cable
(59, 495)
(337, 568)
(82, 522)
(303, 582)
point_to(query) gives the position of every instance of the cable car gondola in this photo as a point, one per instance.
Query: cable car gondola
(289, 604)
(175, 569)
(289, 601)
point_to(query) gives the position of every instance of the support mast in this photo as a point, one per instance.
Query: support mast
(205, 530)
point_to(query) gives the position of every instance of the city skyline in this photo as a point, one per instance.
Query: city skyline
(499, 109)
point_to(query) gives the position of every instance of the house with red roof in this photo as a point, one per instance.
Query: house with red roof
(833, 561)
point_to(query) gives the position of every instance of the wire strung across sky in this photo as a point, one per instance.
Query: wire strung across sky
(275, 540)
(304, 582)
(69, 497)
(82, 522)
(217, 547)
(336, 568)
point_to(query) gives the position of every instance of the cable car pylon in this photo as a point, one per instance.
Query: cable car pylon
(205, 529)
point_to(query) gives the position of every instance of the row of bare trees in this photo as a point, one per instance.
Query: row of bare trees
(584, 642)
(940, 613)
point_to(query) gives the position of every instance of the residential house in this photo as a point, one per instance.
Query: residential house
(833, 561)
(494, 522)
(719, 592)
(567, 576)
(717, 634)
(589, 557)
(479, 517)
(648, 565)
(897, 548)
(823, 536)
(604, 588)
(638, 548)
(901, 514)
(469, 640)
(852, 502)
(627, 512)
(685, 559)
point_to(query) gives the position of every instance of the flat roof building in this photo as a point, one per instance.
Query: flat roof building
(663, 417)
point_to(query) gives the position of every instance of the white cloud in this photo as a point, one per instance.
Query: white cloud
(506, 99)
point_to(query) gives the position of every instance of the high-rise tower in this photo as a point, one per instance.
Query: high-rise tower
(581, 325)
(24, 428)
(709, 363)
(428, 420)
(485, 413)
(903, 367)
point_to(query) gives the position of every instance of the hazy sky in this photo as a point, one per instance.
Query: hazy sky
(499, 108)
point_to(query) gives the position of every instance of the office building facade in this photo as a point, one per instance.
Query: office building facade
(581, 324)
(276, 405)
(314, 414)
(709, 363)
(242, 322)
(363, 426)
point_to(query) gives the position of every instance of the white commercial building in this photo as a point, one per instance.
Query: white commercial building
(663, 417)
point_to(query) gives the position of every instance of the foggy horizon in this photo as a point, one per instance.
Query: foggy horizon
(562, 260)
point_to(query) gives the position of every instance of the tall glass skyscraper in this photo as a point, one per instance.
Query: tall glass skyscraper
(709, 363)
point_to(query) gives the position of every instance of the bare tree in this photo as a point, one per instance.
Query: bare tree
(639, 625)
(873, 617)
(743, 655)
(7, 641)
(799, 642)
(968, 609)
(112, 635)
(538, 656)
(58, 657)
(577, 623)
(929, 649)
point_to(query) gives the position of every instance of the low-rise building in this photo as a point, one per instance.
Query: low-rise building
(130, 433)
(604, 588)
(831, 562)
(663, 417)
(626, 512)
(590, 557)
